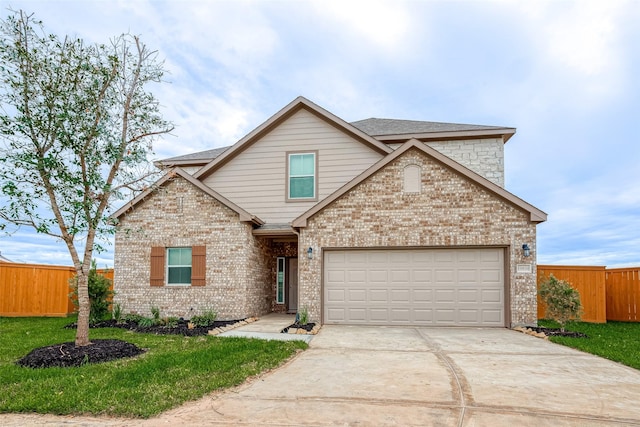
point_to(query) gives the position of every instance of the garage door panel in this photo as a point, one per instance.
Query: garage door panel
(400, 315)
(357, 296)
(422, 295)
(414, 286)
(445, 276)
(336, 295)
(356, 276)
(400, 276)
(378, 276)
(468, 295)
(378, 295)
(400, 296)
(445, 296)
(491, 295)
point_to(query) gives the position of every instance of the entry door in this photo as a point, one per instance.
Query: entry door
(292, 284)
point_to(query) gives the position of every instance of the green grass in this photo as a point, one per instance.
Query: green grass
(617, 341)
(174, 370)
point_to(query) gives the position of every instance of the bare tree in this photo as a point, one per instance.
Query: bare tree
(76, 126)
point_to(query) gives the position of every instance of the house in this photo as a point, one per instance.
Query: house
(379, 221)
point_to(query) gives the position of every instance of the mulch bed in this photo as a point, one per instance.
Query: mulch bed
(181, 328)
(307, 327)
(68, 355)
(557, 333)
(103, 350)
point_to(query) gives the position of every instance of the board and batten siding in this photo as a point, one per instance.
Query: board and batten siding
(256, 178)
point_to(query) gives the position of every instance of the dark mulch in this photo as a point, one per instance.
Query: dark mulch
(307, 327)
(558, 333)
(68, 355)
(181, 328)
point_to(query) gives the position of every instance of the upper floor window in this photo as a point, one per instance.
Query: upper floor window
(302, 176)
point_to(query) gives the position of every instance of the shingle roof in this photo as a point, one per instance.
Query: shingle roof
(198, 157)
(380, 127)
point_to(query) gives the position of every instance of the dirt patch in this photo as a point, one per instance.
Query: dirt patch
(68, 354)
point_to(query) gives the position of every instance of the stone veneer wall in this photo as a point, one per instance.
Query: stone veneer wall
(449, 211)
(179, 214)
(483, 156)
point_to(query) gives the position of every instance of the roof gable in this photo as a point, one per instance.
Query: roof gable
(282, 115)
(244, 215)
(536, 215)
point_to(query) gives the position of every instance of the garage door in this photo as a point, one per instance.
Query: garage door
(448, 287)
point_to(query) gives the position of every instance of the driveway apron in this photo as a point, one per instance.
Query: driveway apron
(405, 376)
(355, 375)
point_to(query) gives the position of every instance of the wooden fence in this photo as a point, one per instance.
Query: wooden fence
(623, 294)
(606, 294)
(37, 289)
(589, 281)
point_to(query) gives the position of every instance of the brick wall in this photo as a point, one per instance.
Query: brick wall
(449, 211)
(179, 214)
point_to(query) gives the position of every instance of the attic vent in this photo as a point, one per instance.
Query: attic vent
(412, 179)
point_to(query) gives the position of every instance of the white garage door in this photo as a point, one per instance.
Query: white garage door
(448, 287)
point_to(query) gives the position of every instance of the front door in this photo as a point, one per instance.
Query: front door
(292, 285)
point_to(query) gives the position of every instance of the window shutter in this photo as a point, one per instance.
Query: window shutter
(157, 266)
(198, 265)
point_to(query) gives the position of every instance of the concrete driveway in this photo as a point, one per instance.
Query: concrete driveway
(364, 376)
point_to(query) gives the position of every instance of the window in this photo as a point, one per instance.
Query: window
(178, 266)
(302, 176)
(280, 281)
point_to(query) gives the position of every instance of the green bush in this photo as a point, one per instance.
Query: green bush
(100, 294)
(205, 319)
(562, 301)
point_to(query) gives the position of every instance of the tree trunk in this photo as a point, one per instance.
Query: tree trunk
(84, 307)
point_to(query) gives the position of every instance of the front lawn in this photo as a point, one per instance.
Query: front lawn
(617, 341)
(173, 370)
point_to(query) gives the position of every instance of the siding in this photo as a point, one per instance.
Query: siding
(256, 179)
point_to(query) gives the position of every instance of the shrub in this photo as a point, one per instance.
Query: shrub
(116, 313)
(303, 316)
(100, 294)
(562, 301)
(205, 319)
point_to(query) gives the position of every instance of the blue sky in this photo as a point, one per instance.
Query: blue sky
(564, 73)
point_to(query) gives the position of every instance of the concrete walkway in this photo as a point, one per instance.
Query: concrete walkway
(368, 376)
(268, 327)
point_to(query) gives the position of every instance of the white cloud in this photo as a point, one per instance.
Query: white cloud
(381, 24)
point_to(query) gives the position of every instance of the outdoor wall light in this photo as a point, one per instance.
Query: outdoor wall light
(310, 253)
(525, 249)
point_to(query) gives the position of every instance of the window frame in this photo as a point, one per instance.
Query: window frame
(167, 266)
(281, 269)
(288, 177)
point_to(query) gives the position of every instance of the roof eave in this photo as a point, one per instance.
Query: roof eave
(504, 133)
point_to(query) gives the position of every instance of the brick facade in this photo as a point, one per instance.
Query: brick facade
(450, 211)
(238, 273)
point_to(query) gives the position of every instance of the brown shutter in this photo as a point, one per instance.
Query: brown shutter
(198, 265)
(157, 266)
